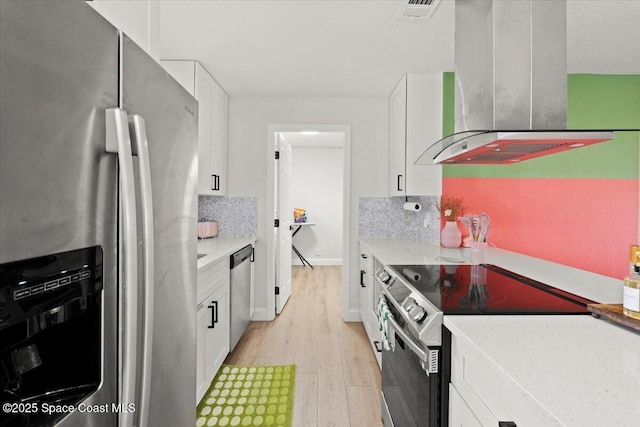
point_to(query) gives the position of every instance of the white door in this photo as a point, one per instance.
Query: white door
(285, 216)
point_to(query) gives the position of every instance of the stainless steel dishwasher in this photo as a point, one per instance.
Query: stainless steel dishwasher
(240, 293)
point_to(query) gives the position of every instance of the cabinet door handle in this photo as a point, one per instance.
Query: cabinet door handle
(506, 424)
(362, 273)
(399, 179)
(378, 346)
(214, 314)
(216, 182)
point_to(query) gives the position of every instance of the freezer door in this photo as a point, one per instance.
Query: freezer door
(170, 115)
(58, 74)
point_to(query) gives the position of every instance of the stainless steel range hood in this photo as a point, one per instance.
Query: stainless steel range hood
(510, 85)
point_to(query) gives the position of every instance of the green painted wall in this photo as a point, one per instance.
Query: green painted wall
(448, 103)
(596, 101)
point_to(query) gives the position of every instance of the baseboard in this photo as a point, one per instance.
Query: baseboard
(353, 315)
(318, 261)
(262, 315)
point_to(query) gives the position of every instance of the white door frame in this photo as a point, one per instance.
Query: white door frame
(284, 208)
(346, 209)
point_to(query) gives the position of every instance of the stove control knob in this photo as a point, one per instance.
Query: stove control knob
(385, 277)
(418, 314)
(409, 303)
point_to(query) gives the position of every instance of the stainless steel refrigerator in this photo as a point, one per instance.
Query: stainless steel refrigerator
(98, 212)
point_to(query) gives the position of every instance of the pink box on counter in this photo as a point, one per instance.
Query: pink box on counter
(207, 229)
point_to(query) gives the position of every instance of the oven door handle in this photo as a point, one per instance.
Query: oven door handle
(396, 329)
(428, 360)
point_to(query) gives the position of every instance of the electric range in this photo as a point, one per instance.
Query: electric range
(418, 298)
(430, 291)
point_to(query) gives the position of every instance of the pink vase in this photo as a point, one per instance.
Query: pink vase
(450, 236)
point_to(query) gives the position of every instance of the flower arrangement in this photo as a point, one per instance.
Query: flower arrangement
(450, 208)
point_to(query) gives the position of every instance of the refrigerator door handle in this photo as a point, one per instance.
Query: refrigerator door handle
(138, 131)
(118, 141)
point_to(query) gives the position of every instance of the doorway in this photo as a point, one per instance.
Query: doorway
(326, 145)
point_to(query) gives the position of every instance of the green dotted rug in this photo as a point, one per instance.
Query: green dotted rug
(249, 396)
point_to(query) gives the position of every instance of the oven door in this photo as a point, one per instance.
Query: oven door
(410, 395)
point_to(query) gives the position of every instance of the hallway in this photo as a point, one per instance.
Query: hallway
(338, 380)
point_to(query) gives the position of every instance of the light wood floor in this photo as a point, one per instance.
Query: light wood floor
(338, 380)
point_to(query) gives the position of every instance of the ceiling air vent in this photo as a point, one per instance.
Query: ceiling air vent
(420, 8)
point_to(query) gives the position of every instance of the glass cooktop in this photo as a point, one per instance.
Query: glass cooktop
(487, 289)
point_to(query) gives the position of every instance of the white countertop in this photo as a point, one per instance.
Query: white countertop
(582, 371)
(218, 247)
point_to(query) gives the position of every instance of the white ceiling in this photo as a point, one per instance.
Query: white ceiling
(360, 48)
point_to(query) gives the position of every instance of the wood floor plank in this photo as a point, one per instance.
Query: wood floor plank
(261, 361)
(332, 403)
(332, 397)
(355, 356)
(305, 410)
(281, 339)
(330, 358)
(376, 380)
(360, 400)
(247, 348)
(308, 346)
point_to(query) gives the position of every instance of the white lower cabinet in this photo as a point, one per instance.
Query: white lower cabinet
(480, 396)
(367, 303)
(460, 415)
(213, 323)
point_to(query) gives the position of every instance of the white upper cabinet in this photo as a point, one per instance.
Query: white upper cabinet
(212, 124)
(140, 20)
(397, 138)
(415, 122)
(219, 130)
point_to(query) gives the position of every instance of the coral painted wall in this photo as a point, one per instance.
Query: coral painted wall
(579, 208)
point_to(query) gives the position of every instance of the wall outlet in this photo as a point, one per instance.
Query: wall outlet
(426, 222)
(317, 251)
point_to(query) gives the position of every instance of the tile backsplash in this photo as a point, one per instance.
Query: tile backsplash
(385, 218)
(236, 216)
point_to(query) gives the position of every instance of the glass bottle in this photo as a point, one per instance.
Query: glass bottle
(631, 300)
(632, 250)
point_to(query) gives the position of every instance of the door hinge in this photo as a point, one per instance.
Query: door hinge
(276, 223)
(277, 290)
(277, 155)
